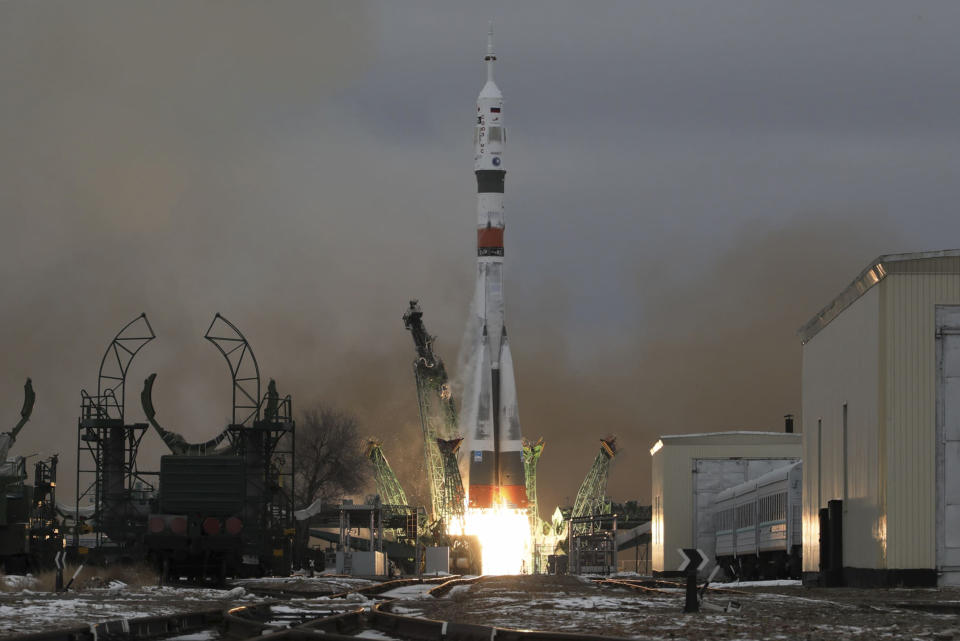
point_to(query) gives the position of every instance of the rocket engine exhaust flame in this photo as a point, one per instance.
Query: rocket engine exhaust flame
(504, 533)
(497, 496)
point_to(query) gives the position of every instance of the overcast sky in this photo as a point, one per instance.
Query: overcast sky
(688, 183)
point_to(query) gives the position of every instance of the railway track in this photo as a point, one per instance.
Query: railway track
(296, 615)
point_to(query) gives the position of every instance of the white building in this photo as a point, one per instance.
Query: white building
(881, 422)
(689, 470)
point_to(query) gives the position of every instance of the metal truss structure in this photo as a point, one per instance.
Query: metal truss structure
(531, 456)
(591, 497)
(438, 418)
(107, 473)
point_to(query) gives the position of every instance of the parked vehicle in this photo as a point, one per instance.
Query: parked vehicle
(758, 528)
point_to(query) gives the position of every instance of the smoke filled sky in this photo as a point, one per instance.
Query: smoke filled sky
(688, 183)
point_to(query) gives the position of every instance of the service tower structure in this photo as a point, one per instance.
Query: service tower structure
(492, 420)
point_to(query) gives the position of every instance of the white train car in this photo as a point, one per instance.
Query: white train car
(757, 524)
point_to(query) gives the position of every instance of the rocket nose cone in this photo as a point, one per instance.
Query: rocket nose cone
(490, 90)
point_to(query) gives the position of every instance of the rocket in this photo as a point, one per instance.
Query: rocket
(496, 473)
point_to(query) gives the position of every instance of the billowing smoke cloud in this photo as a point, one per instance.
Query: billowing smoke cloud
(713, 350)
(677, 205)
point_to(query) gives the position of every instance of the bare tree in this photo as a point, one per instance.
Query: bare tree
(330, 458)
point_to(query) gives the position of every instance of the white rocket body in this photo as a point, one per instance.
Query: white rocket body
(496, 475)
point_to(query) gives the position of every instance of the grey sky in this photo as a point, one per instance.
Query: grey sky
(688, 183)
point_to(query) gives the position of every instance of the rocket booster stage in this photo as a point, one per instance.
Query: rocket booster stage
(492, 420)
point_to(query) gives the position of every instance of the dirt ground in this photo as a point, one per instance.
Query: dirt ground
(34, 611)
(562, 603)
(28, 605)
(572, 604)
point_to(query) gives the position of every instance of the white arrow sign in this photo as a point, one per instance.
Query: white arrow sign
(692, 555)
(713, 574)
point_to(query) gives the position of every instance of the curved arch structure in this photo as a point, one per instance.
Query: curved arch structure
(244, 370)
(7, 439)
(109, 475)
(112, 376)
(176, 443)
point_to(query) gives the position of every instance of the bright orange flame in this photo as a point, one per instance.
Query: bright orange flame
(505, 540)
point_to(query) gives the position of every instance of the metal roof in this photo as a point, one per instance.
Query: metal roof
(934, 262)
(778, 474)
(737, 437)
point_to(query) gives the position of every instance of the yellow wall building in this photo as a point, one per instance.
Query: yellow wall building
(881, 422)
(688, 470)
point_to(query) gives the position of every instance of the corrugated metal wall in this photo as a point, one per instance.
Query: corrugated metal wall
(908, 300)
(841, 367)
(202, 485)
(656, 520)
(879, 357)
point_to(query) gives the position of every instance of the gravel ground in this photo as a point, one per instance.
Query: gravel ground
(331, 584)
(572, 604)
(562, 603)
(29, 611)
(26, 608)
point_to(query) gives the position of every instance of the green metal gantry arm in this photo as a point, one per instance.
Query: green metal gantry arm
(454, 498)
(438, 414)
(591, 498)
(388, 485)
(531, 456)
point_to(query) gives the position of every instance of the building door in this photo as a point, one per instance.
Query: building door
(948, 444)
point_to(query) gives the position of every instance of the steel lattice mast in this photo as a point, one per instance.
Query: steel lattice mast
(592, 492)
(531, 456)
(388, 486)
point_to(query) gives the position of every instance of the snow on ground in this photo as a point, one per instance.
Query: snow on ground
(771, 610)
(204, 635)
(28, 611)
(416, 591)
(314, 608)
(457, 589)
(375, 634)
(353, 598)
(319, 583)
(299, 578)
(402, 609)
(17, 582)
(758, 584)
